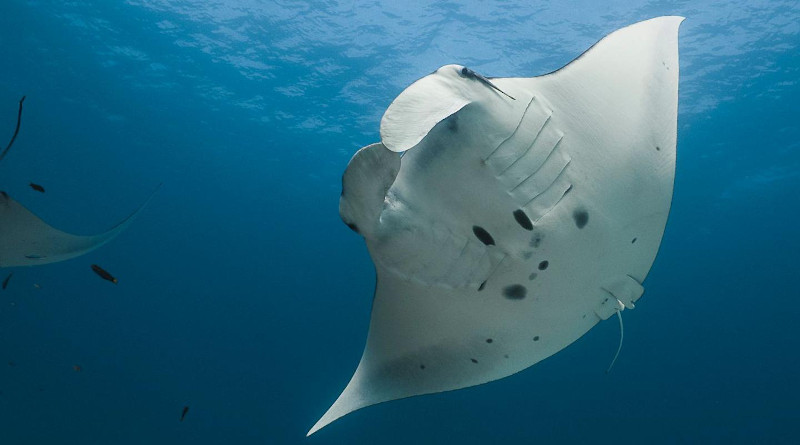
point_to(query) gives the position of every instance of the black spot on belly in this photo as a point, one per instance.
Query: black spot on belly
(658, 148)
(353, 227)
(483, 235)
(523, 220)
(452, 123)
(473, 360)
(536, 338)
(543, 265)
(489, 340)
(536, 240)
(480, 288)
(581, 217)
(506, 355)
(633, 240)
(532, 276)
(515, 292)
(421, 366)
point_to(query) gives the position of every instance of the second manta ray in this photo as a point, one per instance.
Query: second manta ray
(524, 211)
(26, 240)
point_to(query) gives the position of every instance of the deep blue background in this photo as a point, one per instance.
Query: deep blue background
(241, 293)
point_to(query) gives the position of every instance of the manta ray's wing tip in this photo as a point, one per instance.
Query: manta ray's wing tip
(321, 423)
(312, 430)
(678, 18)
(674, 20)
(332, 414)
(325, 420)
(351, 399)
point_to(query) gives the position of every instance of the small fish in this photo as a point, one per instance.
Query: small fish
(183, 413)
(37, 187)
(5, 282)
(103, 274)
(76, 368)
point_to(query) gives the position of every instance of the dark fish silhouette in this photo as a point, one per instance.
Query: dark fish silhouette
(103, 274)
(37, 187)
(16, 130)
(5, 282)
(183, 413)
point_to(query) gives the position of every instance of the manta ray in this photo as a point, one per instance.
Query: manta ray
(508, 216)
(26, 240)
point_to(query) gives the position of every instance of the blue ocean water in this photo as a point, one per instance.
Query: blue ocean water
(243, 296)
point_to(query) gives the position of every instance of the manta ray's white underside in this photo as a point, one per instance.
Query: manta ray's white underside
(524, 211)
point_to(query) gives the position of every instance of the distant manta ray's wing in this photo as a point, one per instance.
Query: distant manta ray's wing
(523, 212)
(26, 240)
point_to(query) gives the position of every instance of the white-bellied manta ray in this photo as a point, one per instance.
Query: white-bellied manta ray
(26, 240)
(521, 213)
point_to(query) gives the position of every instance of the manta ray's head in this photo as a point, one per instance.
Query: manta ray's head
(432, 99)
